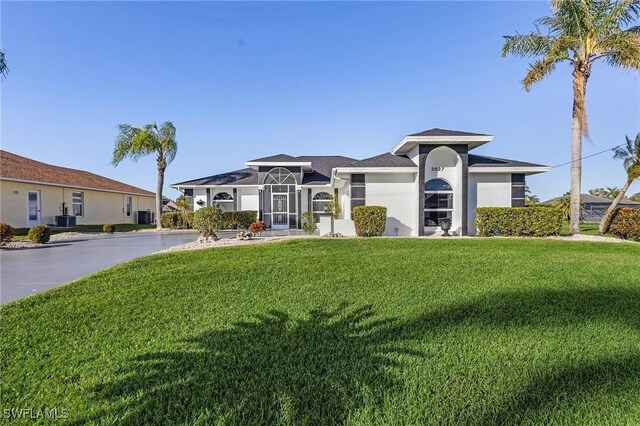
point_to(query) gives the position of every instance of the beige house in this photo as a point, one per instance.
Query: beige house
(35, 193)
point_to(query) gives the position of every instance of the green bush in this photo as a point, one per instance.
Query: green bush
(108, 228)
(518, 221)
(625, 223)
(207, 220)
(171, 220)
(187, 219)
(238, 219)
(370, 221)
(39, 234)
(308, 222)
(6, 233)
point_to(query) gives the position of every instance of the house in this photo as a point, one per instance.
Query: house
(426, 177)
(35, 193)
(168, 205)
(593, 207)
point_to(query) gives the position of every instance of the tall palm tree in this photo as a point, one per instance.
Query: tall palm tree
(579, 32)
(137, 142)
(611, 192)
(598, 192)
(629, 153)
(4, 70)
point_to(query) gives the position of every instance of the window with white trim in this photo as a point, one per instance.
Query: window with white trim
(78, 203)
(129, 205)
(358, 191)
(223, 200)
(438, 201)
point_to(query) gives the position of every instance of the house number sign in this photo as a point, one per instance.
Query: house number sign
(437, 169)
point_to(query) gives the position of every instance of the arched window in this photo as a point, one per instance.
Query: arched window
(223, 200)
(279, 176)
(438, 201)
(321, 202)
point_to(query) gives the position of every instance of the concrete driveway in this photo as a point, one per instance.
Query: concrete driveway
(29, 271)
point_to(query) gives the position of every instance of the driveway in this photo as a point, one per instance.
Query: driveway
(29, 271)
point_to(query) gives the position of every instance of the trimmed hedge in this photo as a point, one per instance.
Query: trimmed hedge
(529, 221)
(207, 220)
(370, 221)
(171, 220)
(6, 233)
(39, 234)
(238, 219)
(625, 223)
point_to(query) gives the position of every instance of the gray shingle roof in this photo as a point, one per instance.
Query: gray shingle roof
(246, 176)
(484, 161)
(322, 166)
(384, 160)
(445, 132)
(593, 199)
(278, 158)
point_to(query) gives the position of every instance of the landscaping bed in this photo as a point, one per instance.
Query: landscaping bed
(357, 331)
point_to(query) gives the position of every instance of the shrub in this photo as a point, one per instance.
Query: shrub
(187, 219)
(6, 233)
(108, 228)
(171, 220)
(625, 223)
(238, 219)
(257, 227)
(39, 234)
(207, 220)
(370, 221)
(308, 222)
(519, 221)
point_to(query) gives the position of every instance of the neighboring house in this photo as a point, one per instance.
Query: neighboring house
(35, 193)
(426, 177)
(168, 205)
(593, 207)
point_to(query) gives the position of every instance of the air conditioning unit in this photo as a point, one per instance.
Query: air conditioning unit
(66, 221)
(144, 217)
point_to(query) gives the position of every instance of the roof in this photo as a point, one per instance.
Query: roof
(278, 158)
(384, 160)
(245, 176)
(445, 132)
(484, 161)
(16, 167)
(322, 167)
(594, 199)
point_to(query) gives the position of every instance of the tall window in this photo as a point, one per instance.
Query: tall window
(78, 203)
(358, 191)
(223, 200)
(321, 201)
(438, 201)
(129, 205)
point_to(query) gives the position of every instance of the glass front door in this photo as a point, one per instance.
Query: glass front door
(33, 208)
(280, 211)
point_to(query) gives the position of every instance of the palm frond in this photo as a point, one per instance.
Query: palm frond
(620, 50)
(526, 45)
(4, 69)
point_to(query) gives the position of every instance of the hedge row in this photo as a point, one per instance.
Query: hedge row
(238, 219)
(625, 223)
(370, 221)
(518, 221)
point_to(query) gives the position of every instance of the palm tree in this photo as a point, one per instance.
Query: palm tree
(182, 203)
(4, 70)
(629, 153)
(635, 197)
(530, 199)
(136, 142)
(564, 204)
(611, 193)
(598, 192)
(580, 32)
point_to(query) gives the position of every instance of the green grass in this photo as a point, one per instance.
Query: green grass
(21, 233)
(313, 331)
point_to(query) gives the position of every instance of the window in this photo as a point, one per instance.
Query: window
(129, 205)
(358, 191)
(223, 200)
(279, 176)
(78, 203)
(438, 201)
(321, 202)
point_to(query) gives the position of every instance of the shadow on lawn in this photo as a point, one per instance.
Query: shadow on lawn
(267, 371)
(326, 366)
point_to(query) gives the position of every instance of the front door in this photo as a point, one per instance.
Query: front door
(33, 208)
(280, 211)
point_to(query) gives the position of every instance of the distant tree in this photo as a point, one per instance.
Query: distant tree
(635, 197)
(529, 198)
(579, 32)
(611, 192)
(630, 156)
(182, 203)
(598, 192)
(4, 69)
(137, 142)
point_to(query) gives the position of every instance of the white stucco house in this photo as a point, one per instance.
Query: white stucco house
(426, 177)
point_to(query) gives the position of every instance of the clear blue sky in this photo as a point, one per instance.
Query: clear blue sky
(246, 80)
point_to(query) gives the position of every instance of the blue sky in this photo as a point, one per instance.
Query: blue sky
(245, 80)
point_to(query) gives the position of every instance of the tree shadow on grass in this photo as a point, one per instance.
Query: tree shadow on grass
(272, 370)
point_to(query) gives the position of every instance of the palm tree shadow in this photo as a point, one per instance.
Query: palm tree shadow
(270, 370)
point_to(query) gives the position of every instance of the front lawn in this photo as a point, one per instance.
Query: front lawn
(314, 331)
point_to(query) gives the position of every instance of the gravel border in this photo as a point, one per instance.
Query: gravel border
(223, 242)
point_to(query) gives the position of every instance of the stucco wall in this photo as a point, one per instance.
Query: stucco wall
(396, 192)
(487, 190)
(248, 198)
(99, 207)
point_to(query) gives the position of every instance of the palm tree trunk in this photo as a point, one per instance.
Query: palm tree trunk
(578, 126)
(604, 223)
(159, 186)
